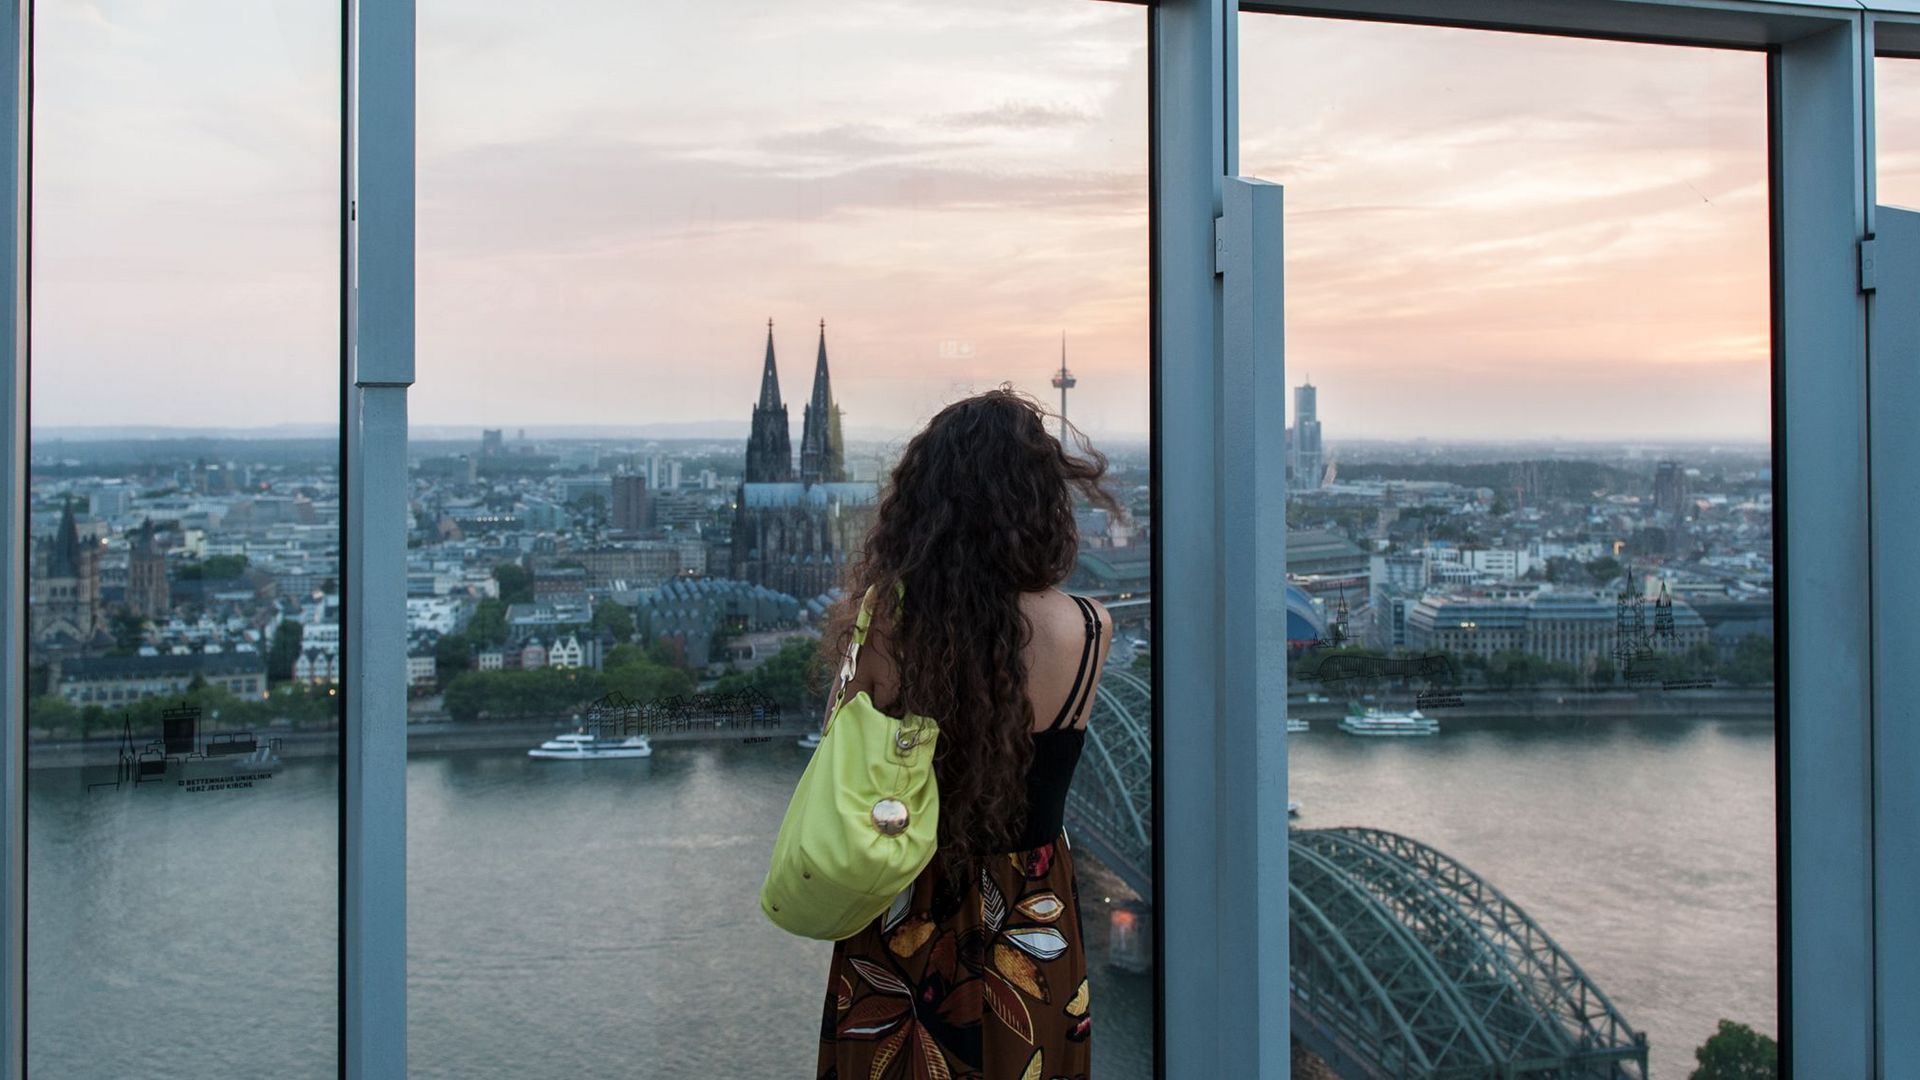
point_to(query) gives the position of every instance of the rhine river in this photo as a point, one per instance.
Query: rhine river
(573, 921)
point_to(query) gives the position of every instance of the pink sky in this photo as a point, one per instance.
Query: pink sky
(1488, 235)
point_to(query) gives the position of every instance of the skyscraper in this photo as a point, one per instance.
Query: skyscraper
(1670, 490)
(769, 454)
(823, 457)
(1308, 459)
(630, 503)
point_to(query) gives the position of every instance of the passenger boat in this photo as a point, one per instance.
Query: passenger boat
(1380, 722)
(810, 741)
(584, 746)
(1295, 724)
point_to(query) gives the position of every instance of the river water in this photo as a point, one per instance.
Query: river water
(588, 920)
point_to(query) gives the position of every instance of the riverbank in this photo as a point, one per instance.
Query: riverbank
(1558, 706)
(423, 737)
(1547, 707)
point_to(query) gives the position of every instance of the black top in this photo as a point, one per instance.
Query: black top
(1056, 750)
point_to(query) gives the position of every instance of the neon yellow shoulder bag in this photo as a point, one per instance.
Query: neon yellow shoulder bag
(864, 820)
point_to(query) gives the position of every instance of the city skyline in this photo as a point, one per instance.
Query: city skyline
(954, 213)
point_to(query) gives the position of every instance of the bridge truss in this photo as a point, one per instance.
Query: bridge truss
(1110, 803)
(1406, 964)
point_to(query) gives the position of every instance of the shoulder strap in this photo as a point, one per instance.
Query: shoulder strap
(1082, 672)
(851, 664)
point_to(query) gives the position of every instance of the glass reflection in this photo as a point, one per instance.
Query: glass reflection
(1529, 544)
(184, 457)
(687, 280)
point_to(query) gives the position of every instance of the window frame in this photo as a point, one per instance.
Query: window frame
(1210, 1016)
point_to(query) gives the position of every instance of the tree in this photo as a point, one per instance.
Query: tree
(615, 619)
(791, 677)
(214, 568)
(128, 631)
(452, 654)
(489, 623)
(1604, 569)
(1737, 1052)
(516, 585)
(1752, 662)
(284, 651)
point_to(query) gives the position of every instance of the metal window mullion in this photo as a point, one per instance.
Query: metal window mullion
(1894, 398)
(1188, 154)
(1253, 766)
(1820, 413)
(16, 61)
(379, 286)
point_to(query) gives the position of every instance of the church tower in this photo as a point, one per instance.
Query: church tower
(148, 594)
(65, 610)
(823, 457)
(769, 453)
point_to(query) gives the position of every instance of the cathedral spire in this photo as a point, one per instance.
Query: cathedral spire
(769, 453)
(66, 544)
(822, 456)
(769, 376)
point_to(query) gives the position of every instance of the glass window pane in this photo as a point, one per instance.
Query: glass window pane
(1530, 538)
(1897, 111)
(614, 202)
(183, 722)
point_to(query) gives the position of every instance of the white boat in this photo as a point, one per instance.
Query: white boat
(1296, 724)
(810, 741)
(1380, 722)
(1293, 807)
(583, 746)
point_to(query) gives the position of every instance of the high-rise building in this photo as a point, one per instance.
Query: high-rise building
(769, 455)
(629, 503)
(823, 457)
(492, 443)
(1307, 458)
(1670, 490)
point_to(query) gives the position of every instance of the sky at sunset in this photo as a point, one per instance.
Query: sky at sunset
(1488, 236)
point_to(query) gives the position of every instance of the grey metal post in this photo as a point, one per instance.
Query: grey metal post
(1820, 408)
(1189, 159)
(1254, 980)
(379, 268)
(1893, 270)
(16, 61)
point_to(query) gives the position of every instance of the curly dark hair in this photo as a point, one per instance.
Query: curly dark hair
(979, 509)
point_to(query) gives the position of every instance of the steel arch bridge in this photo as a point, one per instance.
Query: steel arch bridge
(1405, 962)
(1408, 964)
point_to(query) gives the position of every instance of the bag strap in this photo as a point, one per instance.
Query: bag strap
(851, 664)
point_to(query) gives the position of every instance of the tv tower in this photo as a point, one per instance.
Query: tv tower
(1063, 381)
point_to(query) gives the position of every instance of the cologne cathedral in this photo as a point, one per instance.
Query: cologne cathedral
(794, 534)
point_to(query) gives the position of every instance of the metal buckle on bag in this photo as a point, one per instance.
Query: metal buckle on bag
(890, 817)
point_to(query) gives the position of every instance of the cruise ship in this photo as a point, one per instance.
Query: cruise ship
(1380, 722)
(583, 746)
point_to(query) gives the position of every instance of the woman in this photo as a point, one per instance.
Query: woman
(978, 970)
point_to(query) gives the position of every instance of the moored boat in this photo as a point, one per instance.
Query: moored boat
(586, 746)
(1382, 722)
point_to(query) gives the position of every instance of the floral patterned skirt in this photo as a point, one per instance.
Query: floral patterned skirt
(987, 980)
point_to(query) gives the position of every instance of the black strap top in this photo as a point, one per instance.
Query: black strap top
(1056, 750)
